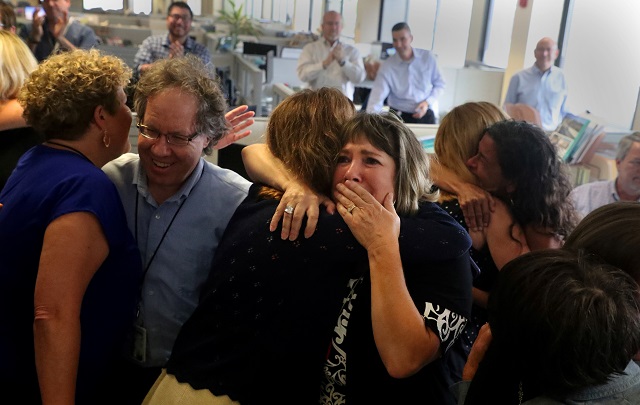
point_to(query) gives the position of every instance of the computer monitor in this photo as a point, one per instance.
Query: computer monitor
(256, 48)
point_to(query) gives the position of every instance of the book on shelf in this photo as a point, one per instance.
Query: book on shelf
(591, 146)
(568, 135)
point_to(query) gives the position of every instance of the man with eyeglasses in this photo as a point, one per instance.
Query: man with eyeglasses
(177, 206)
(175, 44)
(56, 31)
(625, 187)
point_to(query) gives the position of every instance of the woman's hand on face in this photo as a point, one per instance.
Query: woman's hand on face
(373, 224)
(303, 201)
(478, 350)
(239, 119)
(477, 205)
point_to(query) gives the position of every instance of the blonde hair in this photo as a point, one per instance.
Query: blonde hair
(460, 132)
(61, 95)
(17, 62)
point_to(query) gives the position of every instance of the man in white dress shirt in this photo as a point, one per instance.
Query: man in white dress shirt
(410, 79)
(328, 62)
(626, 187)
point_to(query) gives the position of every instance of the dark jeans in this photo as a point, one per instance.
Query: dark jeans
(428, 118)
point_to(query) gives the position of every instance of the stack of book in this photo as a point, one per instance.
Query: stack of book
(589, 146)
(577, 139)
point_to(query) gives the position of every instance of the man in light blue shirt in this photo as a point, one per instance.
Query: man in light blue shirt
(177, 206)
(542, 86)
(410, 79)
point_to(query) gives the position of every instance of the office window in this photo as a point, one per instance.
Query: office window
(141, 6)
(103, 4)
(546, 17)
(281, 11)
(196, 6)
(601, 65)
(498, 35)
(440, 26)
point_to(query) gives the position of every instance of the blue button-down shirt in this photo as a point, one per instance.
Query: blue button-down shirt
(544, 91)
(156, 47)
(407, 83)
(192, 223)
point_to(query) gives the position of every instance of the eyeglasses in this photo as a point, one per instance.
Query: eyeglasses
(172, 139)
(180, 17)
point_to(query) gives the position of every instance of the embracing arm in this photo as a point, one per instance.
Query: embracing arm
(476, 203)
(404, 342)
(265, 168)
(73, 249)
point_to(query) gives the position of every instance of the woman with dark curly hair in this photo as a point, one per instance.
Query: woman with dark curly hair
(517, 163)
(69, 266)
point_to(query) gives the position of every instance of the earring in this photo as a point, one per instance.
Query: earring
(106, 140)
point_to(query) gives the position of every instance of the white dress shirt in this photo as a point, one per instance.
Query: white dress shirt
(311, 71)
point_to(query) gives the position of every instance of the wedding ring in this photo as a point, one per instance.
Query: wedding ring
(351, 208)
(289, 209)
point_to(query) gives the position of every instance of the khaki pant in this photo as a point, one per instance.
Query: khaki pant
(168, 391)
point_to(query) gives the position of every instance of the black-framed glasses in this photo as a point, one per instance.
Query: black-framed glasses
(171, 138)
(183, 17)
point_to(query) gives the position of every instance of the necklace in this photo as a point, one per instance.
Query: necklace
(71, 148)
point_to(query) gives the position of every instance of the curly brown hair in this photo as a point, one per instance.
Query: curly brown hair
(191, 76)
(61, 95)
(528, 159)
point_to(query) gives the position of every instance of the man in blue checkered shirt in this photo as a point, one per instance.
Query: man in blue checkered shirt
(175, 44)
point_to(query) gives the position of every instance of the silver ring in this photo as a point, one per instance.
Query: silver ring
(351, 208)
(289, 209)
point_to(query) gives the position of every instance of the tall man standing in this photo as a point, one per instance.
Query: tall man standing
(410, 79)
(542, 86)
(55, 31)
(328, 62)
(177, 206)
(175, 44)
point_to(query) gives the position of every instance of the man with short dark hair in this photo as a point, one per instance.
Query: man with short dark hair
(175, 44)
(410, 79)
(55, 31)
(328, 62)
(625, 187)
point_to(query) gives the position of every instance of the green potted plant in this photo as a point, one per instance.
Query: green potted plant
(239, 23)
